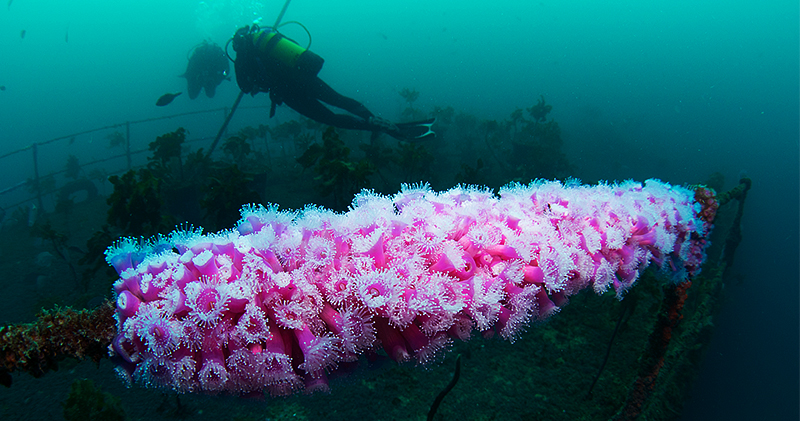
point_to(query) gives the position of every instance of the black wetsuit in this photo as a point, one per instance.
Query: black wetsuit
(208, 67)
(306, 96)
(304, 92)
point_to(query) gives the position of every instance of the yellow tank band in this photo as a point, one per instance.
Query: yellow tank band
(278, 47)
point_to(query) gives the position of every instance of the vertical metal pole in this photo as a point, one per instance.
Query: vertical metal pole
(128, 143)
(225, 110)
(225, 124)
(36, 181)
(235, 105)
(280, 15)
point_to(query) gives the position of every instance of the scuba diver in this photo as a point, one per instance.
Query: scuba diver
(267, 61)
(208, 67)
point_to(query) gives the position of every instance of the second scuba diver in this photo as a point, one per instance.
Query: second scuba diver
(208, 67)
(266, 61)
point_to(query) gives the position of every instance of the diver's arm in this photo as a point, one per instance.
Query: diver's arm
(245, 74)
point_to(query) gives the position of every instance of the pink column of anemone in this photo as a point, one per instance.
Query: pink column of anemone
(276, 303)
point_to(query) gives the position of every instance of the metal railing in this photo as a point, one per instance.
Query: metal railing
(34, 184)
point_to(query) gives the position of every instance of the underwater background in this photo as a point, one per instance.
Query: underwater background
(680, 91)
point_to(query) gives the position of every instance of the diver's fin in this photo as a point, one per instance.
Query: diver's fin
(415, 131)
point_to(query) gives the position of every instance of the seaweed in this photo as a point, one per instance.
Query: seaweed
(58, 241)
(471, 176)
(95, 255)
(167, 146)
(337, 175)
(73, 168)
(540, 110)
(165, 162)
(115, 139)
(237, 147)
(227, 189)
(135, 204)
(89, 403)
(411, 113)
(414, 162)
(101, 176)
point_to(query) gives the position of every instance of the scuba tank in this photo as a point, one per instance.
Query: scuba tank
(287, 52)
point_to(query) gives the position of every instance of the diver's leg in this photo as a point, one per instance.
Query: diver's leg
(315, 110)
(194, 89)
(326, 94)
